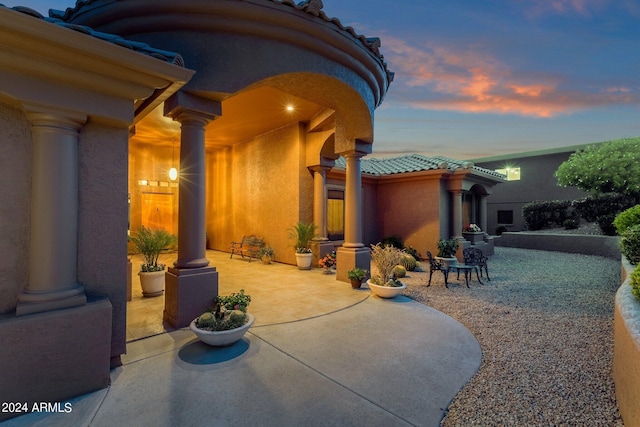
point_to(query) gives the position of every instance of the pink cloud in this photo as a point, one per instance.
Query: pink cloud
(439, 78)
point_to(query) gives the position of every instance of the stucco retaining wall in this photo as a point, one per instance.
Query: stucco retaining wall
(606, 246)
(626, 350)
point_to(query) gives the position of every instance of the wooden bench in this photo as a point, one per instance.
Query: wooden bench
(249, 246)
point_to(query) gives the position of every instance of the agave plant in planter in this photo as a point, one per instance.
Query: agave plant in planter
(302, 234)
(385, 259)
(150, 243)
(226, 322)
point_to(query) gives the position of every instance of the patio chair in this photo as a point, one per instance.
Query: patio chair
(474, 256)
(435, 265)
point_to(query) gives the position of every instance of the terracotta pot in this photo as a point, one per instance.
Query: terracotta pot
(356, 283)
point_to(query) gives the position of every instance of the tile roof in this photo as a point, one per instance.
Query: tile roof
(143, 48)
(313, 7)
(414, 163)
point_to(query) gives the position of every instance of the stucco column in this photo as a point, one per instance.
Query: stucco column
(457, 214)
(192, 191)
(53, 264)
(320, 201)
(191, 284)
(353, 253)
(353, 202)
(483, 214)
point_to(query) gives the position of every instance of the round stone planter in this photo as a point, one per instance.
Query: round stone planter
(473, 236)
(152, 283)
(222, 338)
(304, 261)
(447, 262)
(385, 291)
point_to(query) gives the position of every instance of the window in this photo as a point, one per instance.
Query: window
(505, 217)
(513, 174)
(335, 214)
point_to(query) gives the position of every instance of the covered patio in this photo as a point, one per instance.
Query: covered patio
(280, 293)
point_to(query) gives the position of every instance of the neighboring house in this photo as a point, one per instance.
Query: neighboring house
(530, 177)
(256, 103)
(421, 199)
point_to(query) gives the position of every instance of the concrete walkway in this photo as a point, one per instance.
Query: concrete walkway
(375, 362)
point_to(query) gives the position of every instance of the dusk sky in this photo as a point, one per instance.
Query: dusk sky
(482, 78)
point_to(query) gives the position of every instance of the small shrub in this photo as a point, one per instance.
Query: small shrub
(500, 229)
(635, 283)
(413, 252)
(544, 214)
(399, 271)
(605, 222)
(626, 219)
(394, 241)
(570, 224)
(630, 244)
(591, 207)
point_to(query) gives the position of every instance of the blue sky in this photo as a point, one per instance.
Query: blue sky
(481, 78)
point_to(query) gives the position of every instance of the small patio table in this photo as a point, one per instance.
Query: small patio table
(467, 270)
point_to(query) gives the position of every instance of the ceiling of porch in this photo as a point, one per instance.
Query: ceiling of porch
(245, 115)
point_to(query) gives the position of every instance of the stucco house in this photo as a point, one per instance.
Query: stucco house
(251, 101)
(530, 177)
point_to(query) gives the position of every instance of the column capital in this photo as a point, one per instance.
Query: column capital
(184, 107)
(319, 168)
(45, 116)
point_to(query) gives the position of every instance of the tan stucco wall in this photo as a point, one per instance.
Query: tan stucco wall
(262, 187)
(410, 209)
(102, 221)
(15, 176)
(626, 350)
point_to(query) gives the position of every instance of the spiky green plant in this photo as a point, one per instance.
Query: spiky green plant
(150, 243)
(409, 262)
(302, 234)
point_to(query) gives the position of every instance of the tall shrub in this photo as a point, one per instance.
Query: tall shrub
(627, 219)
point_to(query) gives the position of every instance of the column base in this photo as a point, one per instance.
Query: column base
(349, 258)
(55, 356)
(321, 248)
(39, 302)
(188, 293)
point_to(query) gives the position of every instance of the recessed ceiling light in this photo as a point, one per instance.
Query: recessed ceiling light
(290, 108)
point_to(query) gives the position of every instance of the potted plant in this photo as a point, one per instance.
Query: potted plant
(266, 254)
(385, 259)
(150, 243)
(356, 275)
(226, 322)
(302, 234)
(473, 233)
(328, 262)
(447, 251)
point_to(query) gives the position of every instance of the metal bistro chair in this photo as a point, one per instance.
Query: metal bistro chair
(474, 256)
(435, 265)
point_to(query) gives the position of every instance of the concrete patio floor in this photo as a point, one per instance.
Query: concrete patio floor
(319, 353)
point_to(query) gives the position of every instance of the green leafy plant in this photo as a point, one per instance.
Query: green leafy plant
(630, 244)
(447, 248)
(266, 251)
(302, 234)
(413, 252)
(228, 312)
(394, 241)
(635, 283)
(357, 273)
(150, 243)
(385, 259)
(611, 167)
(627, 219)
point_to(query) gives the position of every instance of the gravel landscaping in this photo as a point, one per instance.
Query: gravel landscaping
(545, 325)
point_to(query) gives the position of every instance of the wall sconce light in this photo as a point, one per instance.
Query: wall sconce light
(173, 172)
